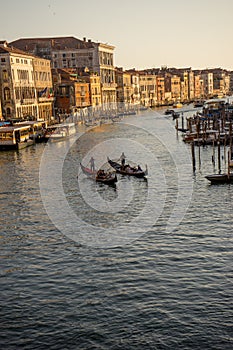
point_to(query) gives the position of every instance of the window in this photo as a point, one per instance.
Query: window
(5, 75)
(3, 60)
(7, 94)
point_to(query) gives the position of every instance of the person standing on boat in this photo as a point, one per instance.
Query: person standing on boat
(92, 162)
(122, 159)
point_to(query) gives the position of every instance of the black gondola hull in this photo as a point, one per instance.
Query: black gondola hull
(220, 178)
(119, 170)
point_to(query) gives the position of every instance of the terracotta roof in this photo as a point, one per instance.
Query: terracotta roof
(13, 50)
(54, 42)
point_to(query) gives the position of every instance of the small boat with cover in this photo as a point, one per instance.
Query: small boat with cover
(127, 169)
(99, 176)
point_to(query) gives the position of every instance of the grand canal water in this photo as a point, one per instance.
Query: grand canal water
(142, 265)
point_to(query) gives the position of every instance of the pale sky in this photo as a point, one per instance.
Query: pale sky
(145, 33)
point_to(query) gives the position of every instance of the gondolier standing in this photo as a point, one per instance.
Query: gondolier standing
(122, 159)
(92, 162)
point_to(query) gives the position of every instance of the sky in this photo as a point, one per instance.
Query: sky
(145, 33)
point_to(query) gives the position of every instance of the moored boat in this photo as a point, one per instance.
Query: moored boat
(198, 103)
(224, 178)
(90, 123)
(59, 132)
(220, 178)
(169, 111)
(37, 129)
(127, 169)
(178, 105)
(15, 137)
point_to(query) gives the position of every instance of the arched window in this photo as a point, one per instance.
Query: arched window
(5, 75)
(7, 94)
(8, 112)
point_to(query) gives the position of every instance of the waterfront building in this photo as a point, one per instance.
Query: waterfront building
(172, 88)
(221, 82)
(198, 87)
(135, 98)
(23, 79)
(160, 90)
(231, 83)
(125, 89)
(95, 87)
(1, 117)
(148, 89)
(69, 52)
(119, 89)
(44, 88)
(191, 88)
(184, 86)
(71, 92)
(207, 78)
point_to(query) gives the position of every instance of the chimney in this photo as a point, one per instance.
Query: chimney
(89, 40)
(84, 39)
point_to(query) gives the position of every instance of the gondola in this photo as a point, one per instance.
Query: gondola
(127, 170)
(220, 178)
(109, 178)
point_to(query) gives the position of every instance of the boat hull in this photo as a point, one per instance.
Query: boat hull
(109, 180)
(119, 170)
(220, 178)
(17, 145)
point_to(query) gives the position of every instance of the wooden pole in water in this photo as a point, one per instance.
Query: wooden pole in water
(193, 156)
(219, 158)
(230, 149)
(219, 151)
(198, 142)
(177, 126)
(213, 155)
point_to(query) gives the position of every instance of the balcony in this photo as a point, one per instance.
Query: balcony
(109, 85)
(27, 101)
(46, 99)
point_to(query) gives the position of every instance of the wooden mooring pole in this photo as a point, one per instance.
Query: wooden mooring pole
(193, 156)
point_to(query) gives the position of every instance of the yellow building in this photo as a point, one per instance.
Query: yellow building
(150, 89)
(23, 83)
(43, 87)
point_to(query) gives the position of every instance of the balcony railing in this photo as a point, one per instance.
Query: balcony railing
(109, 85)
(46, 99)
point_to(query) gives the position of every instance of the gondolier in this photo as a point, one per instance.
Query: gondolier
(92, 162)
(122, 159)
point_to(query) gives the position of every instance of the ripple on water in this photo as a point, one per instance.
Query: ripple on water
(161, 291)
